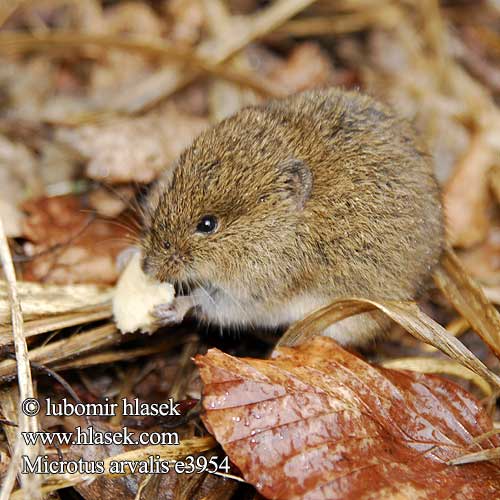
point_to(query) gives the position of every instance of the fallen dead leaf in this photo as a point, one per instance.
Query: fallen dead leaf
(308, 66)
(319, 422)
(494, 179)
(483, 261)
(18, 176)
(68, 244)
(111, 202)
(134, 149)
(466, 196)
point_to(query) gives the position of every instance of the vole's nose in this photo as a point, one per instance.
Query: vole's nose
(176, 258)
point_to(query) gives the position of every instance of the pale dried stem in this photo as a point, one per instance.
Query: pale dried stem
(30, 482)
(406, 314)
(385, 18)
(75, 345)
(169, 80)
(478, 456)
(41, 300)
(50, 324)
(108, 357)
(442, 366)
(469, 300)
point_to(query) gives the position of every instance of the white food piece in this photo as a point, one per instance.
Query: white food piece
(136, 295)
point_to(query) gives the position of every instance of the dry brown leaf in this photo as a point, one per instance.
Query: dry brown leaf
(466, 196)
(483, 261)
(74, 246)
(18, 175)
(111, 203)
(494, 178)
(308, 66)
(318, 422)
(103, 488)
(134, 149)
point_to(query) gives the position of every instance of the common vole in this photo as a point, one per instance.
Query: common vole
(283, 207)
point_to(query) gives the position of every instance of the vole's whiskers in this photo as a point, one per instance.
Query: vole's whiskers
(237, 303)
(131, 203)
(122, 225)
(122, 239)
(204, 290)
(216, 309)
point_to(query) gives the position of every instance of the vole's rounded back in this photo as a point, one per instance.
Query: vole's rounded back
(284, 207)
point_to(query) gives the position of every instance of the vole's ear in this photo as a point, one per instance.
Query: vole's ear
(298, 180)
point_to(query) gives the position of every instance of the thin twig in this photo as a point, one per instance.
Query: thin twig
(57, 246)
(51, 373)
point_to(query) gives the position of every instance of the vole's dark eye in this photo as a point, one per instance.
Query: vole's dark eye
(208, 224)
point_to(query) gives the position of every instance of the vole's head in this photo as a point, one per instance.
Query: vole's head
(229, 209)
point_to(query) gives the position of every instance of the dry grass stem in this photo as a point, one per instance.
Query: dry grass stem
(39, 300)
(479, 456)
(76, 345)
(30, 482)
(441, 366)
(406, 314)
(52, 323)
(385, 18)
(107, 357)
(469, 300)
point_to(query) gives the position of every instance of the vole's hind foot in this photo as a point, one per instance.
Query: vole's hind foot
(172, 313)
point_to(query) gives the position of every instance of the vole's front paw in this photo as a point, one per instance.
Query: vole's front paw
(173, 313)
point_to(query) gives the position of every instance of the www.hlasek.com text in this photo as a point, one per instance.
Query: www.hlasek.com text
(92, 436)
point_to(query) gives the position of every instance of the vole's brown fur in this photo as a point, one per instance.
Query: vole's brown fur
(320, 195)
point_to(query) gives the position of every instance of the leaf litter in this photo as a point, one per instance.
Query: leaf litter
(96, 98)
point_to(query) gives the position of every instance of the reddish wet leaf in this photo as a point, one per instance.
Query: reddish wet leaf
(69, 244)
(318, 422)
